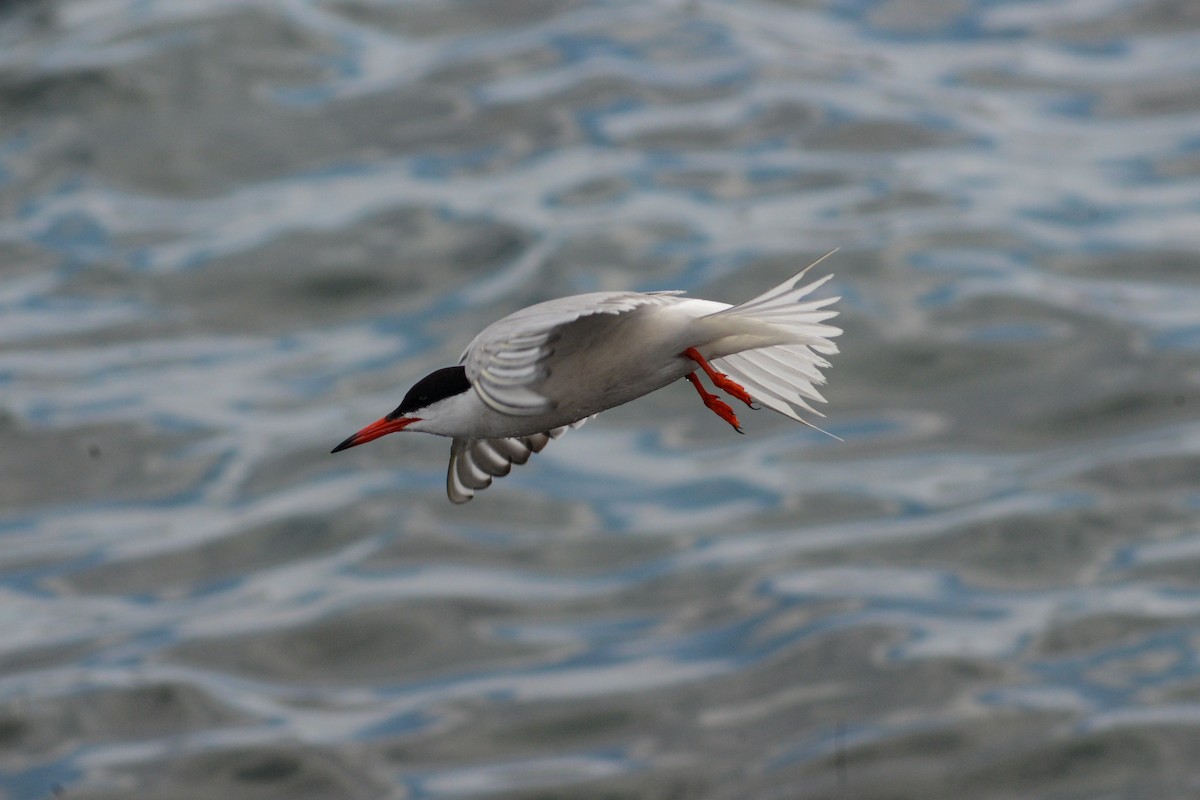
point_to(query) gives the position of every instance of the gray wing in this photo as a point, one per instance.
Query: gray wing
(506, 361)
(475, 462)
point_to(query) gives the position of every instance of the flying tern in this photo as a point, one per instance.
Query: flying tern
(541, 371)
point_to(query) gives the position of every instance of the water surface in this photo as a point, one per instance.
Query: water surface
(233, 233)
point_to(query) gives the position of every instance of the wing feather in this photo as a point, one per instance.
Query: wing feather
(506, 362)
(475, 462)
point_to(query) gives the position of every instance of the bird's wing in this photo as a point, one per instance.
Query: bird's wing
(475, 462)
(506, 361)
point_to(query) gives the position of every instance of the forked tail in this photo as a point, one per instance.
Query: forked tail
(785, 377)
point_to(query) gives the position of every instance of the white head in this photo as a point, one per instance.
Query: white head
(430, 398)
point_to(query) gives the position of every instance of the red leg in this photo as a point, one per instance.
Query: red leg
(720, 379)
(716, 404)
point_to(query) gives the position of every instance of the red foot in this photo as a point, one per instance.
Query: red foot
(720, 379)
(716, 404)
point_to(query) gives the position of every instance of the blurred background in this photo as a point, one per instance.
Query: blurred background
(232, 233)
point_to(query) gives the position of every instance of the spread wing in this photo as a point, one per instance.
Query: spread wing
(475, 462)
(506, 361)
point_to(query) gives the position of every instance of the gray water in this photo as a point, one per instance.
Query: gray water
(232, 233)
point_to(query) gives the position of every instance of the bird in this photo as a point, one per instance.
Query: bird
(539, 372)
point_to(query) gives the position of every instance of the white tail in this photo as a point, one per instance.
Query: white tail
(785, 377)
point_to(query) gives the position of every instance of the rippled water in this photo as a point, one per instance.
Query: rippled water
(231, 233)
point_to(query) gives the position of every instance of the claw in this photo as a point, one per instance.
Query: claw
(716, 404)
(720, 379)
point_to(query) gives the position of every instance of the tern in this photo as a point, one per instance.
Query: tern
(541, 371)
